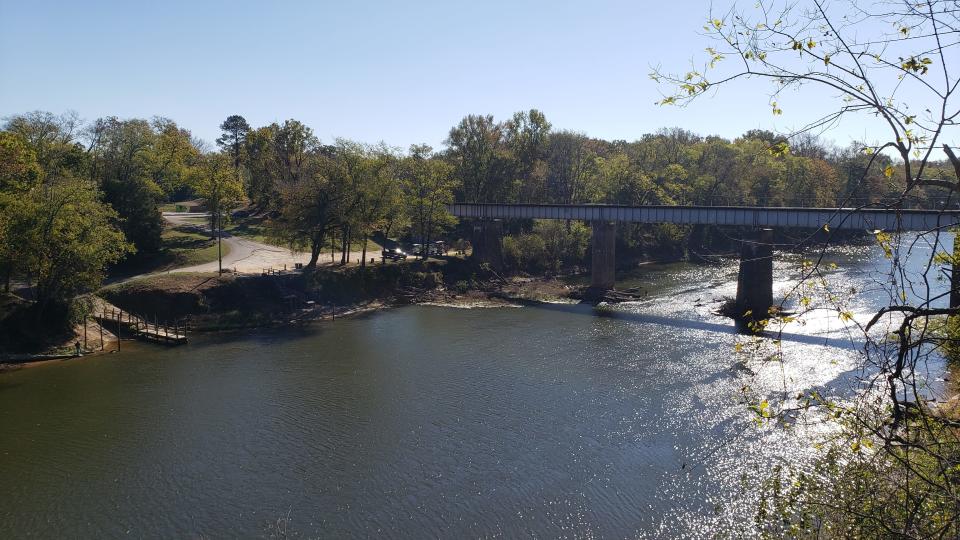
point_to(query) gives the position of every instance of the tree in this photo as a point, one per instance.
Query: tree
(68, 239)
(526, 136)
(19, 174)
(171, 156)
(19, 170)
(137, 163)
(293, 143)
(375, 187)
(428, 184)
(235, 129)
(262, 174)
(569, 161)
(477, 153)
(51, 136)
(892, 64)
(221, 189)
(309, 209)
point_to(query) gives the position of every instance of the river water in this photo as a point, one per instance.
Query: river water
(554, 421)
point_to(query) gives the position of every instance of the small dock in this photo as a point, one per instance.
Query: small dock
(161, 334)
(130, 326)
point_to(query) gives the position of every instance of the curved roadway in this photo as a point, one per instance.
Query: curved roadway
(244, 254)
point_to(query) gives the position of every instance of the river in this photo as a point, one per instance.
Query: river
(423, 421)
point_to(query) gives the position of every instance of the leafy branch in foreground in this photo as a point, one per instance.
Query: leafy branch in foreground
(901, 76)
(893, 465)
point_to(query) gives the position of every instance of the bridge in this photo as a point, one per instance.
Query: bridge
(755, 277)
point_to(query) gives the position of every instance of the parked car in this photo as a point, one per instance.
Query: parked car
(436, 249)
(393, 254)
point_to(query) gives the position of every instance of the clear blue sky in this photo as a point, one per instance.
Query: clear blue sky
(400, 72)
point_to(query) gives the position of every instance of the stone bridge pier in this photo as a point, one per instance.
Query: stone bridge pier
(755, 278)
(488, 242)
(603, 255)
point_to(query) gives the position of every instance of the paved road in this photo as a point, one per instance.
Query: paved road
(246, 255)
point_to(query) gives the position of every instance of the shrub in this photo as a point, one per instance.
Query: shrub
(425, 280)
(551, 246)
(528, 253)
(566, 243)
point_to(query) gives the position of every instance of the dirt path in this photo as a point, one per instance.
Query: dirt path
(246, 255)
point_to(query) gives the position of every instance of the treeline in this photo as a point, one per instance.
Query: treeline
(76, 198)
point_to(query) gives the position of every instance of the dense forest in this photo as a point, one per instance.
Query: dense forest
(76, 197)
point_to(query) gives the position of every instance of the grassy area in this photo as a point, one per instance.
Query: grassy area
(372, 247)
(182, 206)
(189, 248)
(179, 247)
(255, 228)
(199, 221)
(252, 227)
(174, 283)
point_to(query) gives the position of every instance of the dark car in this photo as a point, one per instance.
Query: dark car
(393, 254)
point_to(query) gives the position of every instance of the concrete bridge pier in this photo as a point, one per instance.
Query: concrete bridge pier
(488, 242)
(603, 258)
(755, 279)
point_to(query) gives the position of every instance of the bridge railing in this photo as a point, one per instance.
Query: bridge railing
(834, 218)
(911, 202)
(908, 203)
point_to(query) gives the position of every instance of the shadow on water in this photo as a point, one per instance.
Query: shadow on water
(586, 309)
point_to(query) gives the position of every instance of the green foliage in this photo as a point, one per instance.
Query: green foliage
(19, 173)
(478, 154)
(309, 210)
(259, 167)
(137, 163)
(51, 138)
(219, 186)
(951, 343)
(526, 252)
(857, 489)
(424, 280)
(67, 238)
(892, 467)
(549, 247)
(428, 187)
(19, 170)
(235, 129)
(565, 243)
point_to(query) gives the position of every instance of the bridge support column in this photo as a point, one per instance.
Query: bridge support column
(603, 257)
(755, 280)
(488, 242)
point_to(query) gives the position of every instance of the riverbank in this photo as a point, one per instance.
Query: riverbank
(214, 302)
(208, 302)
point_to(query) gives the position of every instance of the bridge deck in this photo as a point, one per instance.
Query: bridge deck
(814, 218)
